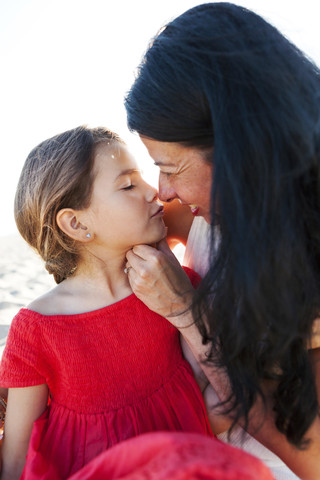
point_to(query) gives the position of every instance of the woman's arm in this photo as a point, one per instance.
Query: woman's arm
(304, 463)
(25, 405)
(315, 339)
(219, 422)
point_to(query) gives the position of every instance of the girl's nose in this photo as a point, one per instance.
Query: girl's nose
(151, 194)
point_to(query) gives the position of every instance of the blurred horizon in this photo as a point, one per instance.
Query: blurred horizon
(70, 62)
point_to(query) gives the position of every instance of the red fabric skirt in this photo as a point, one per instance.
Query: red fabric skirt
(174, 456)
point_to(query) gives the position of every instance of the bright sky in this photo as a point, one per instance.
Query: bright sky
(69, 62)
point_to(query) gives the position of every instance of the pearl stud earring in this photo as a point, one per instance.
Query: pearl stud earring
(88, 235)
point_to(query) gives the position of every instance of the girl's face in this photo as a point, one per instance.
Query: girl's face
(123, 210)
(184, 174)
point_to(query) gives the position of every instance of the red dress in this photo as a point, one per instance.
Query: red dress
(174, 456)
(112, 373)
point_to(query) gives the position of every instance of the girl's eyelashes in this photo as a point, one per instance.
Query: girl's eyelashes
(134, 177)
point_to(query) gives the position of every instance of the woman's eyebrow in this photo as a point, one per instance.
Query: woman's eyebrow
(164, 164)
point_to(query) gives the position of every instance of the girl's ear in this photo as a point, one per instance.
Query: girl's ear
(68, 222)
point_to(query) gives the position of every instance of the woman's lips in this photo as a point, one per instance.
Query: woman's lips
(194, 209)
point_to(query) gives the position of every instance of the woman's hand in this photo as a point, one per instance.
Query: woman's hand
(159, 281)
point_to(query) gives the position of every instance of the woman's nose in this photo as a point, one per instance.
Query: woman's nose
(166, 192)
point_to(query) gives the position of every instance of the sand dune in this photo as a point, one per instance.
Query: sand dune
(22, 279)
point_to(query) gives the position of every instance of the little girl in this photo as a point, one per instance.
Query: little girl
(112, 369)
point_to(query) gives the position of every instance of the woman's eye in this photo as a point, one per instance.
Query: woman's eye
(129, 187)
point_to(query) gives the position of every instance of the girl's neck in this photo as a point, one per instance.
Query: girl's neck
(103, 276)
(95, 284)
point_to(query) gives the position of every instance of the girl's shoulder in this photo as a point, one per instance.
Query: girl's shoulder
(72, 298)
(54, 302)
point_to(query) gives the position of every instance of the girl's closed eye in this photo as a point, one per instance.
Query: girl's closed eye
(129, 187)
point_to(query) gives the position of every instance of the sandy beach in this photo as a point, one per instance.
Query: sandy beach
(22, 279)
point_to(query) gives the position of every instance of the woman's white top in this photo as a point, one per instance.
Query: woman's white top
(196, 257)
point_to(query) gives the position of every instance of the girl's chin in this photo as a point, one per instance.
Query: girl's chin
(157, 238)
(154, 236)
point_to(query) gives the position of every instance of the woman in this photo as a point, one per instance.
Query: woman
(230, 111)
(195, 235)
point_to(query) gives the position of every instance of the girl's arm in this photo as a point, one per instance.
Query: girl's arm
(25, 405)
(3, 407)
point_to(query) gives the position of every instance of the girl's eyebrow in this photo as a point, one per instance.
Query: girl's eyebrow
(128, 171)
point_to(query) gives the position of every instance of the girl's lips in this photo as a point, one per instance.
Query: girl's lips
(159, 212)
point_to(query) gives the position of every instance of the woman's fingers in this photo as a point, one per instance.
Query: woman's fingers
(163, 247)
(157, 278)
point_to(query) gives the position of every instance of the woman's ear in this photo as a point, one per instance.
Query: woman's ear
(68, 222)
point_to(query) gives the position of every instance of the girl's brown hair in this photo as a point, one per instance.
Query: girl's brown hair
(57, 174)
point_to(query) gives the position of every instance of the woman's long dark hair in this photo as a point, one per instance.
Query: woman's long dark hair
(220, 75)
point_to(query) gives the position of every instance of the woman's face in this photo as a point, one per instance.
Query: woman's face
(123, 209)
(184, 174)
